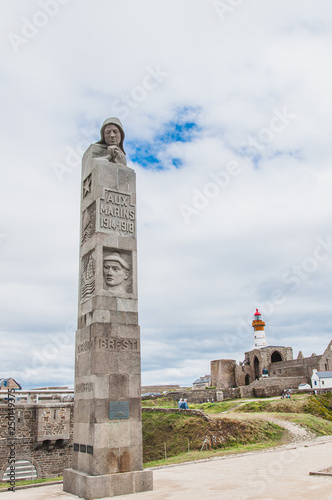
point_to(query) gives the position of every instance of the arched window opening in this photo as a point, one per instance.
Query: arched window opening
(275, 357)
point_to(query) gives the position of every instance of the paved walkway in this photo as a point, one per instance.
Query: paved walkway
(268, 475)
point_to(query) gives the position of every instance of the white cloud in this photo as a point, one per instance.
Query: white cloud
(199, 280)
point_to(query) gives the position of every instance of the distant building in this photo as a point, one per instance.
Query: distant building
(267, 366)
(202, 382)
(9, 383)
(321, 380)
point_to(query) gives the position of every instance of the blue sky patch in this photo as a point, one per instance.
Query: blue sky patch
(182, 129)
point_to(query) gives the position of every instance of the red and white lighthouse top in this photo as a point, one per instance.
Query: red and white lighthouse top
(257, 313)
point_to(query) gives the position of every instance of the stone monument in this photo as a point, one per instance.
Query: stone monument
(107, 449)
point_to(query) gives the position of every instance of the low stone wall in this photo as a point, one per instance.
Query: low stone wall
(246, 391)
(231, 393)
(270, 386)
(48, 447)
(295, 368)
(196, 413)
(194, 396)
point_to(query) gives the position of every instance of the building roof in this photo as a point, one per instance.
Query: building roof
(274, 347)
(3, 380)
(327, 374)
(201, 380)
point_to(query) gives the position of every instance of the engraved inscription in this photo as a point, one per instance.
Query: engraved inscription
(85, 346)
(84, 387)
(107, 343)
(88, 275)
(117, 345)
(116, 213)
(88, 222)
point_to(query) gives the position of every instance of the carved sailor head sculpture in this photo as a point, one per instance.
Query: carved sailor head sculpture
(116, 272)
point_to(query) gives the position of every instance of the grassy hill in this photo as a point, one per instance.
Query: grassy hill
(320, 406)
(180, 431)
(241, 428)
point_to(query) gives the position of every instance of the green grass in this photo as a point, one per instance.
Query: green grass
(31, 481)
(277, 405)
(216, 407)
(317, 425)
(177, 430)
(159, 402)
(320, 406)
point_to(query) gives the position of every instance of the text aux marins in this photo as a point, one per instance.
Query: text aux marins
(116, 212)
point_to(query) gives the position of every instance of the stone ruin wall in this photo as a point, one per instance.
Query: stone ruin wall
(302, 367)
(226, 374)
(49, 456)
(223, 373)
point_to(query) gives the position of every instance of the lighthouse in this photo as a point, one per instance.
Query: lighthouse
(258, 325)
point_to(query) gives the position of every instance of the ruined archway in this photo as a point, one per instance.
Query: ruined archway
(275, 357)
(256, 368)
(247, 380)
(24, 469)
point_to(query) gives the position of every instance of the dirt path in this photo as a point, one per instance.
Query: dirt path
(297, 433)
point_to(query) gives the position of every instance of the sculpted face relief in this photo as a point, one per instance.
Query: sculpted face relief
(116, 272)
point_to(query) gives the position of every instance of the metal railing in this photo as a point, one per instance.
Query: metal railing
(39, 395)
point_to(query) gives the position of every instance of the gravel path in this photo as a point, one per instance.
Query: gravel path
(297, 432)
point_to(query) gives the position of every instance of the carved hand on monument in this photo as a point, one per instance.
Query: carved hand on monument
(116, 272)
(115, 155)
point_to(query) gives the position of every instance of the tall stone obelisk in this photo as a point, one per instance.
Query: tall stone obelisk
(107, 452)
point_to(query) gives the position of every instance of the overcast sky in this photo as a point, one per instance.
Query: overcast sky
(227, 112)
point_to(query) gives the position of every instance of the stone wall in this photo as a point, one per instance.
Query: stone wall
(50, 456)
(223, 373)
(278, 361)
(269, 387)
(194, 396)
(302, 367)
(244, 375)
(325, 363)
(232, 393)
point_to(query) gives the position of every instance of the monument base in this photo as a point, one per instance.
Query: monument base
(110, 485)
